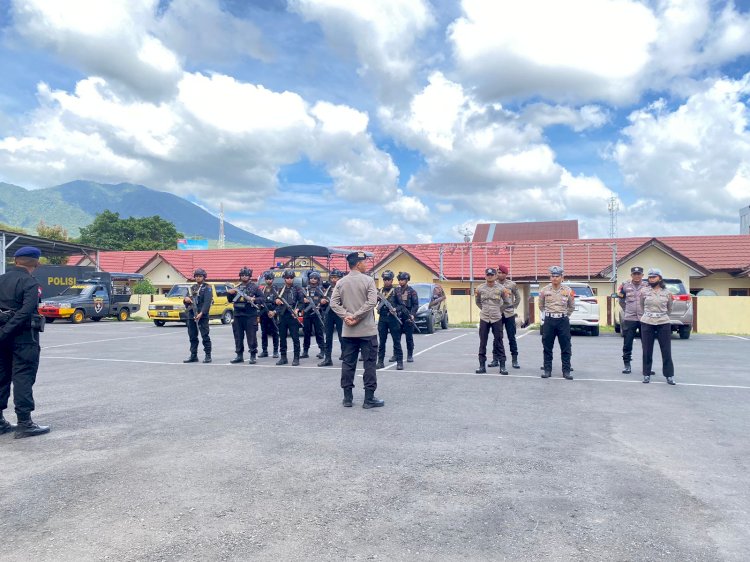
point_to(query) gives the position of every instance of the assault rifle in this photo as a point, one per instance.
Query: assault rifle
(284, 303)
(248, 299)
(311, 306)
(409, 319)
(192, 304)
(390, 308)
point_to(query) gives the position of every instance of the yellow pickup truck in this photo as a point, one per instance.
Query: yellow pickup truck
(172, 309)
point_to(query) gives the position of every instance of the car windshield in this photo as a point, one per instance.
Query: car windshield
(424, 292)
(178, 291)
(583, 291)
(76, 291)
(675, 286)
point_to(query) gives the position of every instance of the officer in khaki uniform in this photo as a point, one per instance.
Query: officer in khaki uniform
(629, 295)
(509, 317)
(491, 298)
(556, 303)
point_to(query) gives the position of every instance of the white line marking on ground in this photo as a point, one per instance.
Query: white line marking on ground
(738, 337)
(425, 350)
(111, 339)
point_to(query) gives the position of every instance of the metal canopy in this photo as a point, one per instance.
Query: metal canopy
(311, 251)
(11, 241)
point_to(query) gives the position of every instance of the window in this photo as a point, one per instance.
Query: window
(739, 292)
(460, 291)
(695, 290)
(221, 290)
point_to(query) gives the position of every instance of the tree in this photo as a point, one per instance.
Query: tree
(144, 287)
(53, 232)
(113, 233)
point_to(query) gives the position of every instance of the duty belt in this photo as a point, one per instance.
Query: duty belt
(654, 314)
(555, 314)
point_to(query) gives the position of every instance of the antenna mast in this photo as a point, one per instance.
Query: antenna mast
(221, 225)
(613, 206)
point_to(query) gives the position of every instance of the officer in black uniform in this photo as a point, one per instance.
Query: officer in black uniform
(268, 325)
(288, 323)
(245, 323)
(311, 324)
(332, 320)
(408, 301)
(200, 295)
(20, 325)
(387, 322)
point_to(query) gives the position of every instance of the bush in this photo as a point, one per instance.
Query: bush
(144, 287)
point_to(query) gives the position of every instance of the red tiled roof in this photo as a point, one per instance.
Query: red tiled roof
(717, 253)
(122, 262)
(513, 231)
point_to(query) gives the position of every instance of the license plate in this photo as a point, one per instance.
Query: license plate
(163, 314)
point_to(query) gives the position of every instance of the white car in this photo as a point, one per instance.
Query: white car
(586, 313)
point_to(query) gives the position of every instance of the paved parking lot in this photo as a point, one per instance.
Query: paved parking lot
(150, 459)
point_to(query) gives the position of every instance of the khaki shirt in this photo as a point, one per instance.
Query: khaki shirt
(657, 304)
(491, 301)
(510, 310)
(557, 301)
(356, 295)
(631, 304)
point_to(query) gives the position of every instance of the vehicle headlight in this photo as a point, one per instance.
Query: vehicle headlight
(61, 304)
(178, 307)
(152, 307)
(423, 308)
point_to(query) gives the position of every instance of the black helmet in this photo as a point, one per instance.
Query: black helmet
(268, 275)
(336, 273)
(387, 274)
(288, 274)
(404, 275)
(199, 271)
(313, 275)
(246, 271)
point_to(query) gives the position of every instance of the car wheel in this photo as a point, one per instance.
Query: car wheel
(431, 324)
(594, 330)
(226, 318)
(96, 318)
(444, 321)
(159, 323)
(123, 315)
(78, 316)
(684, 332)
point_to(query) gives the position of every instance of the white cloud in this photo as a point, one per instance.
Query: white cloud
(364, 231)
(408, 207)
(282, 234)
(586, 117)
(382, 33)
(693, 159)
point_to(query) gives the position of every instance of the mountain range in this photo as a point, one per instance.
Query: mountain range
(75, 204)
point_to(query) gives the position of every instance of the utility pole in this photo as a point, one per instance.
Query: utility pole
(221, 226)
(613, 206)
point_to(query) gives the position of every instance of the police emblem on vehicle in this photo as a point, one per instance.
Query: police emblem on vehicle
(98, 304)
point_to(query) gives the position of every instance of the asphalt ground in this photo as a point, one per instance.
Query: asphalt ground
(150, 459)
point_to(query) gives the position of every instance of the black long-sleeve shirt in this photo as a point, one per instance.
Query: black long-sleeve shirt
(19, 292)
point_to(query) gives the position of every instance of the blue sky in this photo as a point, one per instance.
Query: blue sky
(343, 122)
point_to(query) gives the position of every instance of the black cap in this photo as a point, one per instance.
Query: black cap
(356, 257)
(636, 269)
(28, 252)
(490, 271)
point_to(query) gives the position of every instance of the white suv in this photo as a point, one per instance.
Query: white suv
(586, 313)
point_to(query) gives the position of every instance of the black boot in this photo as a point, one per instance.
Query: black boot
(670, 380)
(503, 370)
(275, 353)
(320, 355)
(514, 362)
(627, 370)
(5, 425)
(192, 359)
(482, 368)
(28, 428)
(253, 360)
(207, 358)
(295, 359)
(239, 358)
(371, 401)
(567, 375)
(348, 398)
(283, 360)
(409, 358)
(326, 362)
(399, 365)
(392, 359)
(547, 373)
(305, 354)
(263, 353)
(380, 364)
(646, 379)
(494, 363)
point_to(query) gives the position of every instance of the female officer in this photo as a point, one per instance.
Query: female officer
(656, 302)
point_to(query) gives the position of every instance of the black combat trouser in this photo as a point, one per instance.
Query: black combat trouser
(193, 328)
(288, 325)
(19, 362)
(268, 328)
(351, 348)
(333, 321)
(407, 328)
(560, 328)
(663, 333)
(311, 324)
(388, 323)
(498, 350)
(245, 327)
(629, 328)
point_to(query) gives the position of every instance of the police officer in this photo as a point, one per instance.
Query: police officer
(20, 325)
(354, 299)
(268, 325)
(408, 301)
(247, 307)
(556, 302)
(656, 302)
(491, 297)
(387, 322)
(332, 320)
(311, 324)
(509, 314)
(629, 296)
(198, 304)
(288, 323)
